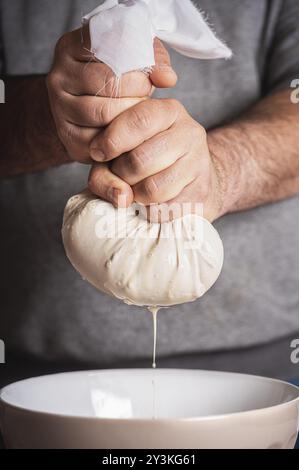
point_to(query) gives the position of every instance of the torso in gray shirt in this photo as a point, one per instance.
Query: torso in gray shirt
(47, 310)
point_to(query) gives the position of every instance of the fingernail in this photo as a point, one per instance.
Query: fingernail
(97, 154)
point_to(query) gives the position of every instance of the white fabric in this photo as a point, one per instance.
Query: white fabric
(141, 263)
(122, 32)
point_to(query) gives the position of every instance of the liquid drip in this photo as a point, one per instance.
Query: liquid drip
(154, 311)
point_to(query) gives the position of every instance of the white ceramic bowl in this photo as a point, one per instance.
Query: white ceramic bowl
(149, 409)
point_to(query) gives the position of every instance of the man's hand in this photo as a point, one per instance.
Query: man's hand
(162, 153)
(82, 91)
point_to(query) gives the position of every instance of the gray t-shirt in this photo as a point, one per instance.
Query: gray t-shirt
(47, 310)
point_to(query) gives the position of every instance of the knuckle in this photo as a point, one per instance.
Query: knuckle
(200, 131)
(162, 145)
(67, 133)
(130, 82)
(149, 189)
(138, 84)
(119, 167)
(204, 188)
(111, 144)
(109, 83)
(69, 138)
(138, 159)
(97, 183)
(53, 80)
(171, 102)
(173, 105)
(170, 107)
(100, 114)
(62, 44)
(140, 119)
(92, 182)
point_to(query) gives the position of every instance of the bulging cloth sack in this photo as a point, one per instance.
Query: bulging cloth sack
(152, 264)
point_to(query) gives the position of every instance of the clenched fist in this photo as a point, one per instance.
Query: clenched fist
(158, 149)
(83, 93)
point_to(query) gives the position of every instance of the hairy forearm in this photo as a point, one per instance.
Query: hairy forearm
(257, 156)
(29, 140)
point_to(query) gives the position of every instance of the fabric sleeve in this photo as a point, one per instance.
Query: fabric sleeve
(282, 64)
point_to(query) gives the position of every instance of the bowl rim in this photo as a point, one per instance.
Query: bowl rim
(193, 419)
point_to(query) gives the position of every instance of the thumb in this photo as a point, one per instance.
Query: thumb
(163, 75)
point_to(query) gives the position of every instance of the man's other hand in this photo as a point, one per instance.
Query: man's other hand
(158, 149)
(84, 95)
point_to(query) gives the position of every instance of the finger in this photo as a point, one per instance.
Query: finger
(153, 156)
(167, 184)
(78, 45)
(133, 127)
(95, 111)
(76, 140)
(163, 75)
(97, 79)
(109, 187)
(75, 44)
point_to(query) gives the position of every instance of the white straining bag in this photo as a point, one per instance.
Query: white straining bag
(122, 32)
(141, 263)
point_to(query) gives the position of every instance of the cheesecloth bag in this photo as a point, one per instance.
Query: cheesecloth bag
(122, 32)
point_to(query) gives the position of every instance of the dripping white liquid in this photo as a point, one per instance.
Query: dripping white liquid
(154, 311)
